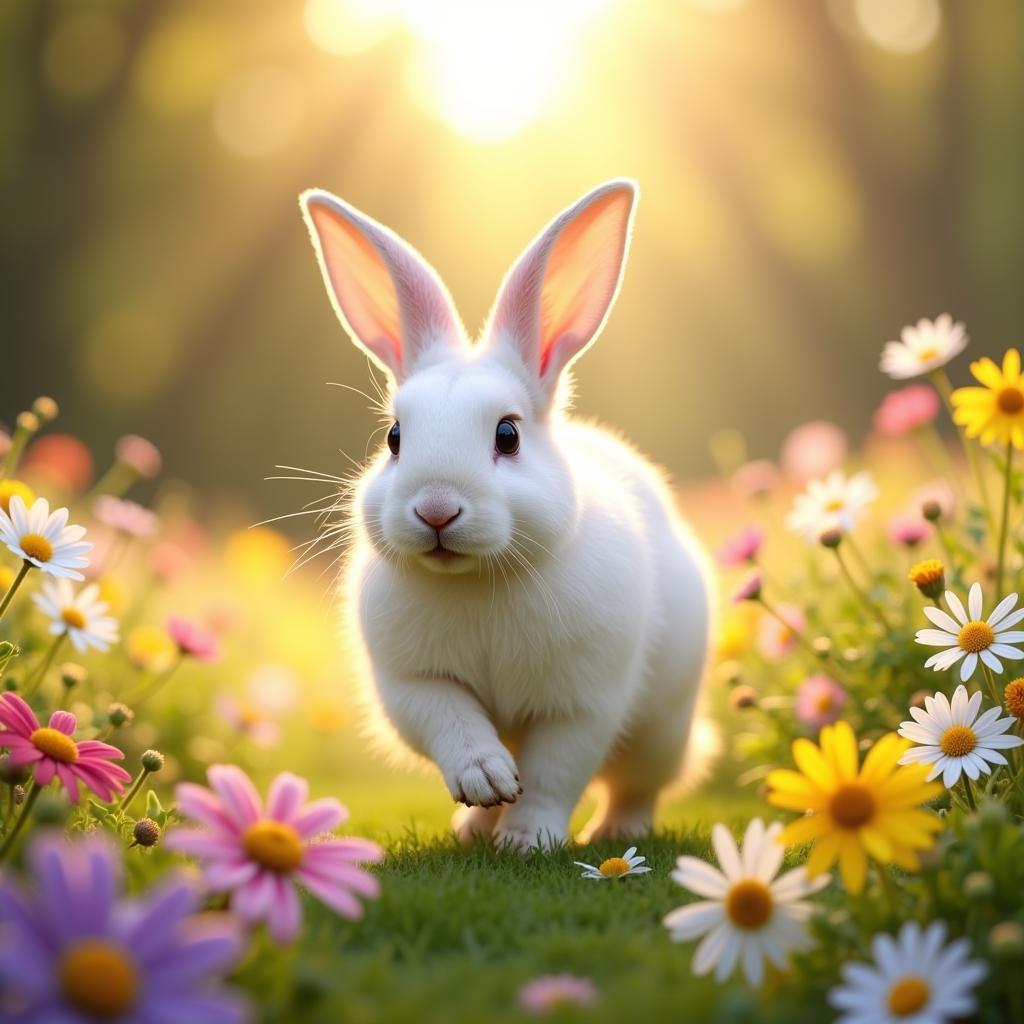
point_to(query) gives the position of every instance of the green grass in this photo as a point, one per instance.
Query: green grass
(457, 931)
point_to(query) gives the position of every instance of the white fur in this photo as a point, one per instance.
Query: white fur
(567, 640)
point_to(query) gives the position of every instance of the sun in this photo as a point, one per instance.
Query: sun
(487, 68)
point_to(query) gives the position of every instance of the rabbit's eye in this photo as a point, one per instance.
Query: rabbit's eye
(394, 438)
(506, 438)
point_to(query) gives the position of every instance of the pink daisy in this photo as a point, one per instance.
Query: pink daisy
(125, 516)
(552, 991)
(258, 855)
(52, 752)
(139, 454)
(749, 589)
(193, 640)
(906, 409)
(741, 548)
(819, 701)
(908, 530)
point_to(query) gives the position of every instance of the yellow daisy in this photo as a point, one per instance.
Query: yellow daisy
(994, 412)
(855, 812)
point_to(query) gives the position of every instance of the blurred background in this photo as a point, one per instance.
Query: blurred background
(813, 176)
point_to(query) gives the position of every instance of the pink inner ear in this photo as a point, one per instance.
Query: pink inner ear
(364, 291)
(580, 277)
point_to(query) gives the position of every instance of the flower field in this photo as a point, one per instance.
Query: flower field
(193, 828)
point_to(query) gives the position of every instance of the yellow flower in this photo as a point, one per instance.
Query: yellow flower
(995, 411)
(9, 488)
(1014, 697)
(150, 648)
(929, 577)
(736, 632)
(112, 591)
(856, 812)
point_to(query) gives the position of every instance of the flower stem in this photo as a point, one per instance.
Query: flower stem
(1007, 489)
(39, 672)
(993, 689)
(887, 888)
(26, 811)
(859, 593)
(945, 388)
(802, 640)
(133, 791)
(22, 573)
(968, 792)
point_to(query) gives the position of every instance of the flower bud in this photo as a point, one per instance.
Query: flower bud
(931, 510)
(1006, 940)
(978, 885)
(46, 409)
(11, 684)
(830, 538)
(152, 760)
(822, 646)
(929, 577)
(146, 832)
(743, 697)
(27, 422)
(72, 674)
(1014, 697)
(119, 714)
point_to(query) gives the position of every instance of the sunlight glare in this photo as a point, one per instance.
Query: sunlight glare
(486, 67)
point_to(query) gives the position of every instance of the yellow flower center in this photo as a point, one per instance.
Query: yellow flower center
(852, 805)
(909, 996)
(98, 978)
(613, 867)
(1010, 400)
(73, 617)
(273, 845)
(927, 354)
(835, 505)
(976, 636)
(55, 744)
(823, 703)
(958, 741)
(1014, 695)
(36, 546)
(749, 904)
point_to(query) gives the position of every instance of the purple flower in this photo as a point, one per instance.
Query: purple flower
(819, 701)
(740, 548)
(72, 951)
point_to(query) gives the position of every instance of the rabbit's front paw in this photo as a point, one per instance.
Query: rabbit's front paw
(485, 779)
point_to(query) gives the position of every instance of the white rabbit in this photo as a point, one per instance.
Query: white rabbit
(534, 613)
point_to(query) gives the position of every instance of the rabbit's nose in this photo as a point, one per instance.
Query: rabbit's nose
(438, 514)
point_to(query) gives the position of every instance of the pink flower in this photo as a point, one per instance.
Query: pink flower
(908, 530)
(740, 548)
(906, 409)
(192, 640)
(776, 640)
(813, 450)
(125, 516)
(259, 855)
(749, 589)
(52, 752)
(755, 479)
(141, 455)
(819, 701)
(548, 993)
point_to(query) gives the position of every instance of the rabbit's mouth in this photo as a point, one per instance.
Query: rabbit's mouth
(443, 554)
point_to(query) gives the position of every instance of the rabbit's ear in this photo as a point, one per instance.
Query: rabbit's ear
(386, 295)
(555, 299)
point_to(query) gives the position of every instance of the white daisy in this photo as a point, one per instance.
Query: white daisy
(953, 739)
(82, 616)
(924, 347)
(914, 980)
(615, 867)
(833, 503)
(748, 914)
(43, 538)
(970, 637)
